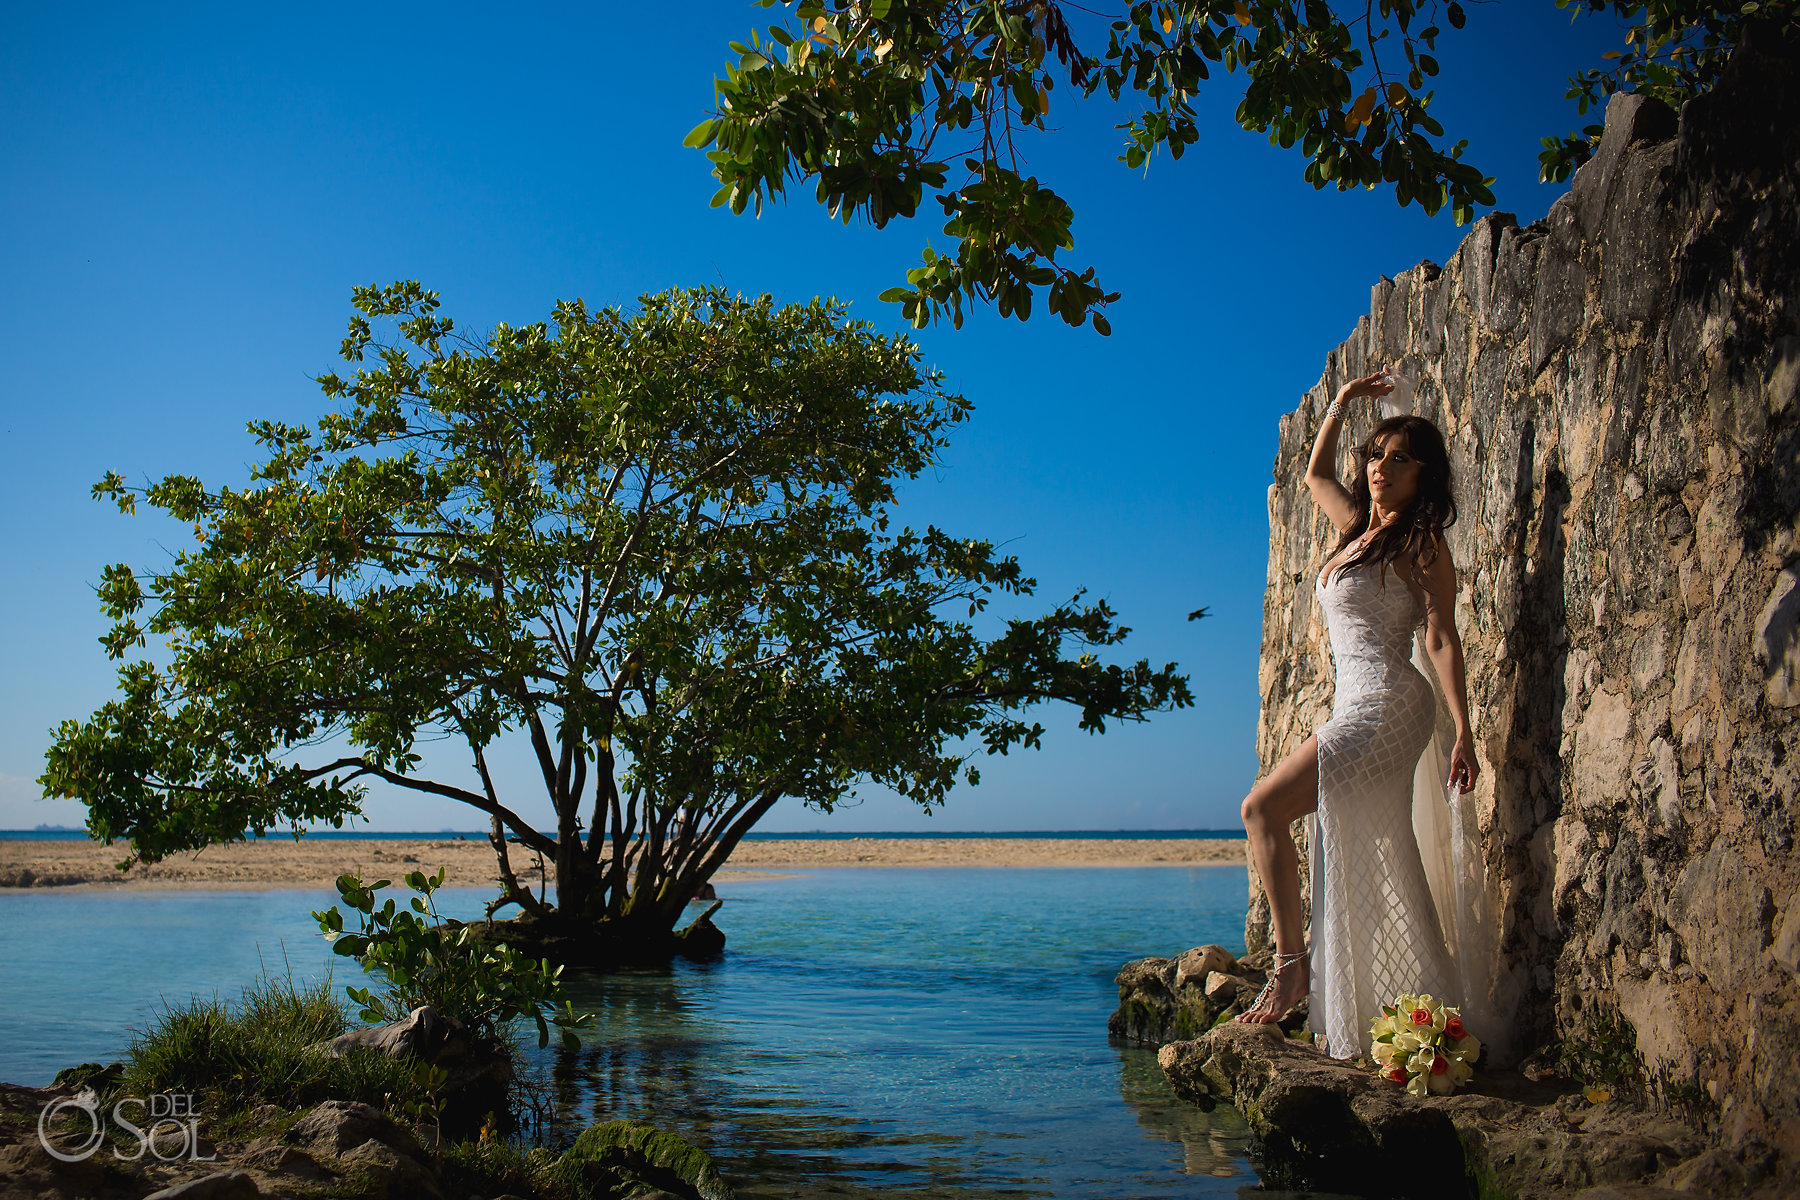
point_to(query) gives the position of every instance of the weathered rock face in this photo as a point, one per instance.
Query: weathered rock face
(1162, 1000)
(1326, 1125)
(1618, 387)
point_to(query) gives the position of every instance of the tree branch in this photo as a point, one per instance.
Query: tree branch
(527, 835)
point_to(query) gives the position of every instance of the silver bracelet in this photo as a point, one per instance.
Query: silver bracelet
(1333, 409)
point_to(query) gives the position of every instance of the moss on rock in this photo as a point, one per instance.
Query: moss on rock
(614, 1158)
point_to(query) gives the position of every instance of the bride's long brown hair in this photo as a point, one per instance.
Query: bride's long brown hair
(1421, 524)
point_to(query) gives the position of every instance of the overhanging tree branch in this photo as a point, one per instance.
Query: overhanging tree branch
(854, 96)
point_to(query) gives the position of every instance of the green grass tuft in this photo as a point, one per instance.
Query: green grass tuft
(260, 1051)
(497, 1167)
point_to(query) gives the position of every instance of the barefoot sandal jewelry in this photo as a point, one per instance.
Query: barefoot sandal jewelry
(1281, 962)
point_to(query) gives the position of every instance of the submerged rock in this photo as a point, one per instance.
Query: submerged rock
(1326, 1124)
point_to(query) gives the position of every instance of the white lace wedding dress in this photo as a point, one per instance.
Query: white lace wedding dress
(1386, 919)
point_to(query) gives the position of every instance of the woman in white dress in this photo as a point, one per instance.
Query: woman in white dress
(1376, 929)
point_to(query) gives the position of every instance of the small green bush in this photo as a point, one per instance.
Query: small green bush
(1603, 1052)
(426, 959)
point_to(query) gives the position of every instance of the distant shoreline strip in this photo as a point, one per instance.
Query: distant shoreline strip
(817, 835)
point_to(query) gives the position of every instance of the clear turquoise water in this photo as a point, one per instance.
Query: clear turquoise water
(892, 1032)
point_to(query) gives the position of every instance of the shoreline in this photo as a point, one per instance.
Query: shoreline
(282, 863)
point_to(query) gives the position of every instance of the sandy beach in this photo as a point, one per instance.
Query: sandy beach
(282, 862)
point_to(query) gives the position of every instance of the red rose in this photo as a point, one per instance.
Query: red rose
(1421, 1016)
(1397, 1074)
(1439, 1065)
(1454, 1027)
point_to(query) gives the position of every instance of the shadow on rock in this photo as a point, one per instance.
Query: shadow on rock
(1329, 1125)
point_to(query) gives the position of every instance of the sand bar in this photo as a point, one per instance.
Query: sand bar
(282, 862)
(991, 852)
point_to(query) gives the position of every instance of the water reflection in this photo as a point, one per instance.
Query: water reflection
(946, 1039)
(786, 1118)
(913, 1033)
(1214, 1143)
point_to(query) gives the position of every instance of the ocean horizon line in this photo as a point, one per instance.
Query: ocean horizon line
(77, 834)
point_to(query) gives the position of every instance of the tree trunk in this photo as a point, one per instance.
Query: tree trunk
(609, 941)
(580, 933)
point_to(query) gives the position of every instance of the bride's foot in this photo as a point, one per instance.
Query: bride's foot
(1290, 978)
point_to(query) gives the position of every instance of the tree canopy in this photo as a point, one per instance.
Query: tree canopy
(875, 99)
(657, 543)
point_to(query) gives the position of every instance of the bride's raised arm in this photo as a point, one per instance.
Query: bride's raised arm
(1321, 471)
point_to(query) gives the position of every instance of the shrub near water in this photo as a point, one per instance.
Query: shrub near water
(265, 1049)
(260, 1052)
(426, 959)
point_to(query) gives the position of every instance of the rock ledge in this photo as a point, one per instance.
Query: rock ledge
(1324, 1124)
(1162, 1000)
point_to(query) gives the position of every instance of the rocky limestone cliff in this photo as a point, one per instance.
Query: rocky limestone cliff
(1617, 384)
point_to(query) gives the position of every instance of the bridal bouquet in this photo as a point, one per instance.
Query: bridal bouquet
(1420, 1041)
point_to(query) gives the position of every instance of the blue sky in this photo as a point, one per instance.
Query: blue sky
(190, 195)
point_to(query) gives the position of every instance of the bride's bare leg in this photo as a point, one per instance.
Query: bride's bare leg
(1287, 793)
